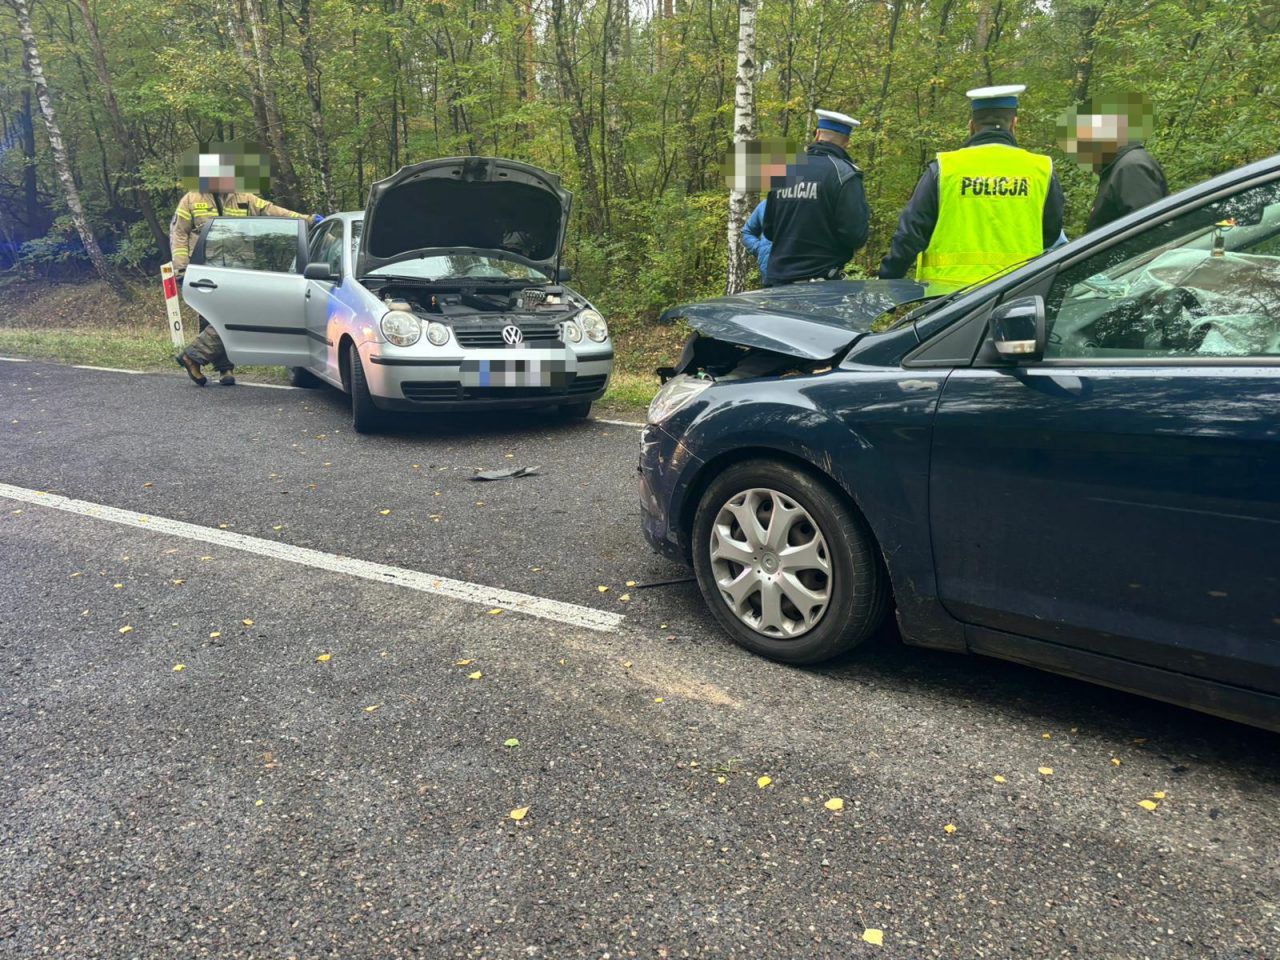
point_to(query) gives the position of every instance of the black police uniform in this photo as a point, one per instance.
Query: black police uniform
(1129, 182)
(818, 219)
(915, 226)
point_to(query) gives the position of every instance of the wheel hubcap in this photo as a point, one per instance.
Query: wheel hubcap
(771, 563)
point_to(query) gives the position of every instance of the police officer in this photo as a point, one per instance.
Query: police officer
(819, 217)
(215, 195)
(981, 209)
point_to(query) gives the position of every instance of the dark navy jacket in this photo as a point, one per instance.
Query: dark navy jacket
(915, 226)
(1129, 182)
(818, 219)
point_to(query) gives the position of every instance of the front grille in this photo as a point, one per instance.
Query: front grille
(488, 333)
(588, 384)
(440, 392)
(428, 392)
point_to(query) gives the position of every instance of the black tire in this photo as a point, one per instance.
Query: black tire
(575, 411)
(365, 415)
(858, 583)
(304, 378)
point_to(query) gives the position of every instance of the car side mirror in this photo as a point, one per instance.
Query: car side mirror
(319, 271)
(563, 274)
(1018, 330)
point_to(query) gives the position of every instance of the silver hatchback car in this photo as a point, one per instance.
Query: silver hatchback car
(446, 293)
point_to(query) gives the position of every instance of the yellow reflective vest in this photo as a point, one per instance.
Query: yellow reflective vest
(990, 213)
(195, 208)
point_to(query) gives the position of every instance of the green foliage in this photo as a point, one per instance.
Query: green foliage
(630, 105)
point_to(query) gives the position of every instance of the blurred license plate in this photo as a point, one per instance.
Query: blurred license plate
(531, 371)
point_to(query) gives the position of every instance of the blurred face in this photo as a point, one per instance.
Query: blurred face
(757, 166)
(226, 168)
(1096, 133)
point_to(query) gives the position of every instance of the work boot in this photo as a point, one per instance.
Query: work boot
(192, 368)
(227, 379)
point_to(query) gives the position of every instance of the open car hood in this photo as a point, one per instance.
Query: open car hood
(465, 204)
(813, 321)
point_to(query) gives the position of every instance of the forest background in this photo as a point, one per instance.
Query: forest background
(630, 101)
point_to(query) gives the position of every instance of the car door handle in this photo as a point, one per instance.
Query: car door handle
(203, 285)
(307, 295)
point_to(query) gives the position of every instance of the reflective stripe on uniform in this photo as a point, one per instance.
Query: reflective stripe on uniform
(990, 212)
(184, 214)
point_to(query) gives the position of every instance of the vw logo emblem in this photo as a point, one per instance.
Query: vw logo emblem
(512, 335)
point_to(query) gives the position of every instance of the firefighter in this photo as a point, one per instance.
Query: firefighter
(819, 217)
(214, 190)
(979, 210)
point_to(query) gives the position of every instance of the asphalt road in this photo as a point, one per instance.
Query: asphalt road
(259, 802)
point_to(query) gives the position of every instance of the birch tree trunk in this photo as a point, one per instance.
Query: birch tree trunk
(744, 128)
(35, 70)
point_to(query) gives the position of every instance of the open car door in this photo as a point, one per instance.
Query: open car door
(245, 278)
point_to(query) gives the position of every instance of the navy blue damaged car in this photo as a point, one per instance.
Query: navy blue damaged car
(1075, 466)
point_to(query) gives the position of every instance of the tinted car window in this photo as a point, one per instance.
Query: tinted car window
(254, 243)
(1204, 284)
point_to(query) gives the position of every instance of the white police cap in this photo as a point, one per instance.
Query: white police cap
(1006, 96)
(836, 122)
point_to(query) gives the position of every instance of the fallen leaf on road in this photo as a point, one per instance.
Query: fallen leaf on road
(626, 664)
(117, 585)
(74, 575)
(1159, 794)
(1046, 736)
(259, 803)
(495, 611)
(215, 635)
(463, 663)
(179, 667)
(178, 583)
(999, 779)
(625, 597)
(603, 589)
(222, 526)
(1115, 761)
(372, 708)
(721, 779)
(126, 629)
(513, 742)
(475, 676)
(147, 484)
(873, 937)
(631, 583)
(385, 512)
(1149, 805)
(763, 782)
(1046, 771)
(247, 622)
(206, 558)
(950, 828)
(324, 658)
(834, 804)
(655, 699)
(278, 526)
(519, 813)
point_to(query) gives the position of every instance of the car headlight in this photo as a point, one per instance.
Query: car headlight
(402, 329)
(572, 332)
(675, 394)
(594, 325)
(437, 333)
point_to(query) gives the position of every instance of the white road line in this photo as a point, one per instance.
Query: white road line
(619, 423)
(80, 366)
(15, 359)
(571, 614)
(267, 386)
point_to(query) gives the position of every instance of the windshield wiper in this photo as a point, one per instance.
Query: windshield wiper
(932, 305)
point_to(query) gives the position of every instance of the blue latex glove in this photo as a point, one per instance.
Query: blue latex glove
(316, 220)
